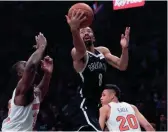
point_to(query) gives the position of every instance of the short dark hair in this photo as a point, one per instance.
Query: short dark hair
(15, 67)
(115, 88)
(14, 78)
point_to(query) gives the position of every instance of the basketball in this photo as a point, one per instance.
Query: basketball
(88, 12)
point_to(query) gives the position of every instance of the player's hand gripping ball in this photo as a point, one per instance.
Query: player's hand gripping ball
(82, 14)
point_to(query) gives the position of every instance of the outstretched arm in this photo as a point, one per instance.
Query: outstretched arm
(122, 62)
(142, 120)
(79, 49)
(47, 67)
(31, 66)
(119, 63)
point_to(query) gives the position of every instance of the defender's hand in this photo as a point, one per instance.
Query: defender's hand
(47, 65)
(40, 41)
(76, 19)
(125, 38)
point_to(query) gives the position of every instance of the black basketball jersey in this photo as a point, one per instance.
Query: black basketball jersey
(93, 76)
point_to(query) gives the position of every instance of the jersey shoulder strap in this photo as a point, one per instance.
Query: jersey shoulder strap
(86, 62)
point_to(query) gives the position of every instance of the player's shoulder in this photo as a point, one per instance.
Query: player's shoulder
(127, 104)
(102, 49)
(73, 50)
(104, 108)
(134, 107)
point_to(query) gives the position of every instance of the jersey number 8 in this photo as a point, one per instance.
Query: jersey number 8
(100, 79)
(130, 119)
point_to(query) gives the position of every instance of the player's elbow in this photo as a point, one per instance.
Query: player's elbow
(123, 67)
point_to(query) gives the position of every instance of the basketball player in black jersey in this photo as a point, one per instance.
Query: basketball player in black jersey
(90, 63)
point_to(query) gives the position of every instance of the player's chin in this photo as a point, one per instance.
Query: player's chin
(88, 43)
(102, 103)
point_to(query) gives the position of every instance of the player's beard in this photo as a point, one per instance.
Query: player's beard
(88, 40)
(89, 43)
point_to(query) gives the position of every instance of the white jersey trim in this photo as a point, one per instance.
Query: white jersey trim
(84, 112)
(87, 59)
(86, 116)
(100, 55)
(13, 99)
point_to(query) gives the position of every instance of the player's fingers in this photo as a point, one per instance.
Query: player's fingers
(81, 15)
(77, 13)
(37, 41)
(36, 38)
(35, 47)
(66, 17)
(127, 30)
(51, 60)
(42, 66)
(40, 34)
(83, 19)
(122, 36)
(73, 13)
(47, 58)
(42, 63)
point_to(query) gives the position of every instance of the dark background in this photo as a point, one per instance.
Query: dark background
(144, 82)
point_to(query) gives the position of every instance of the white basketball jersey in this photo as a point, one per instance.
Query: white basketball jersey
(122, 118)
(21, 118)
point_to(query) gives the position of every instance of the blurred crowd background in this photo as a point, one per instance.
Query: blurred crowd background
(144, 82)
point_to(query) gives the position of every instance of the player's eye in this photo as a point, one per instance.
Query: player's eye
(89, 31)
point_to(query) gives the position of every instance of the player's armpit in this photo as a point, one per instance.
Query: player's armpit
(77, 54)
(142, 120)
(102, 116)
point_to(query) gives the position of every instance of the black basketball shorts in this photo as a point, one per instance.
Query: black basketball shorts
(81, 116)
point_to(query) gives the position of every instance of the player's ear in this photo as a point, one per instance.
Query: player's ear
(112, 95)
(19, 73)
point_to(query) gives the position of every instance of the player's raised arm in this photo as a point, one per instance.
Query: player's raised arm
(47, 67)
(142, 120)
(31, 66)
(103, 116)
(74, 22)
(122, 62)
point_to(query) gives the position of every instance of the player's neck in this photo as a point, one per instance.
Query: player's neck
(115, 100)
(91, 49)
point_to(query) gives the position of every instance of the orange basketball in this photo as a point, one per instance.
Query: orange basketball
(88, 12)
